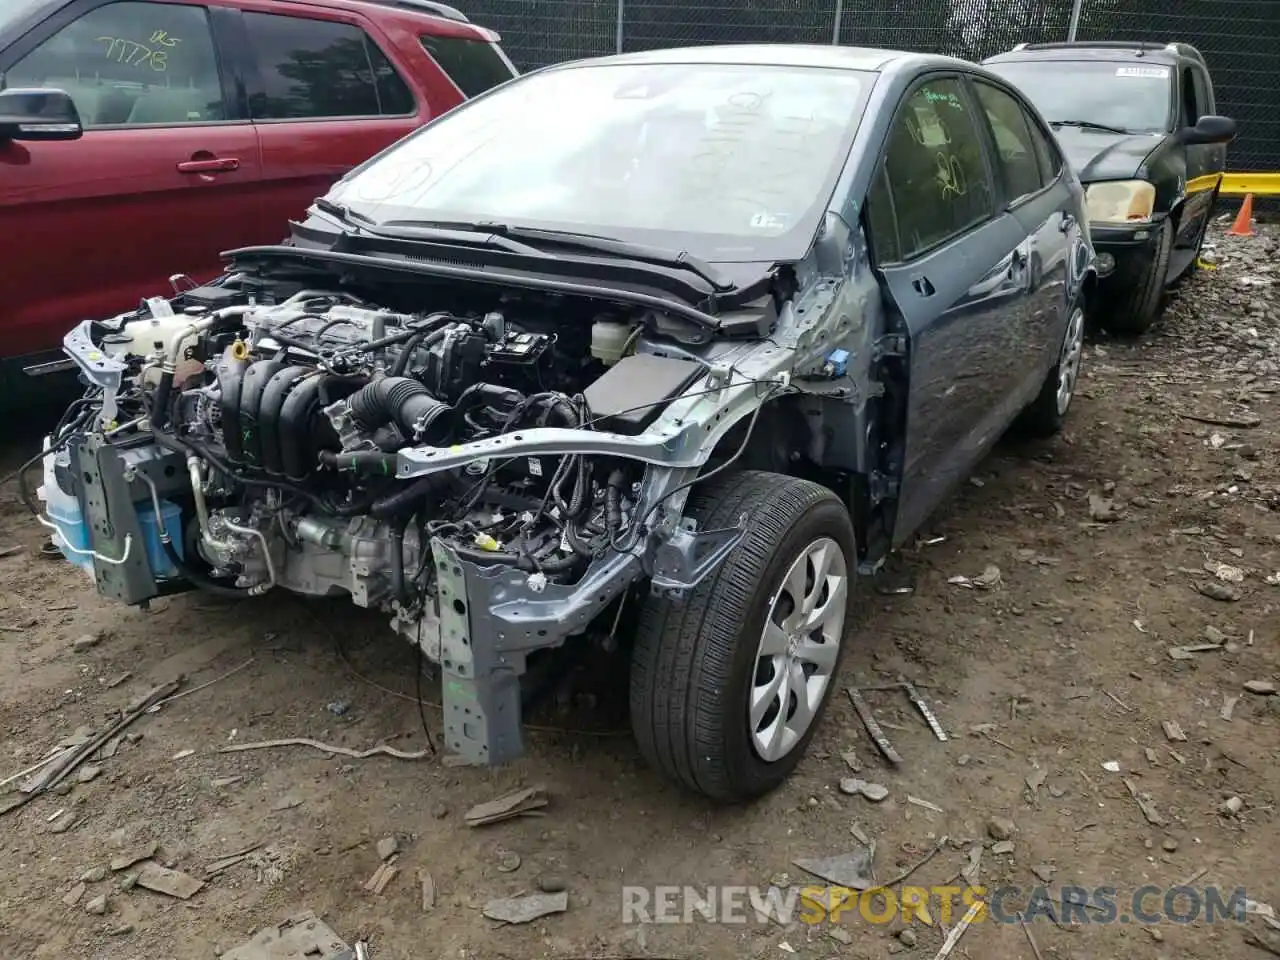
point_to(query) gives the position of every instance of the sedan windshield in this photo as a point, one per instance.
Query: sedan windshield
(1129, 96)
(729, 162)
(11, 11)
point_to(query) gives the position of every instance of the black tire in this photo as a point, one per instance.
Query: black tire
(1045, 415)
(1141, 297)
(694, 662)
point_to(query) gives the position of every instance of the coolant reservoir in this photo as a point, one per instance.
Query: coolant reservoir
(608, 340)
(144, 338)
(151, 338)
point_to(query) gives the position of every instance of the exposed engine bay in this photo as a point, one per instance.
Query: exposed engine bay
(495, 479)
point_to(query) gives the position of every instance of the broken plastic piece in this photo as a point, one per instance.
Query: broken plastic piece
(304, 935)
(929, 716)
(527, 908)
(852, 870)
(869, 721)
(518, 804)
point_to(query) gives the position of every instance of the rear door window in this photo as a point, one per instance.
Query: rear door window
(1015, 145)
(321, 69)
(1046, 150)
(474, 66)
(131, 63)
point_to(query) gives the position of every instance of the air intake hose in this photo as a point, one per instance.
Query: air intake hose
(411, 496)
(404, 402)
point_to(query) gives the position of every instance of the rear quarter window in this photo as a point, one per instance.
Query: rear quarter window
(319, 69)
(474, 66)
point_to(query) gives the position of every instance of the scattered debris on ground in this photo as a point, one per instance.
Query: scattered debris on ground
(1077, 662)
(526, 908)
(304, 935)
(521, 803)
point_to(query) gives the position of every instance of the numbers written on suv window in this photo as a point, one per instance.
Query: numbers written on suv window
(937, 179)
(320, 69)
(474, 66)
(131, 63)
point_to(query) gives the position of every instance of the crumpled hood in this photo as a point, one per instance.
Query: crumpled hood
(1096, 155)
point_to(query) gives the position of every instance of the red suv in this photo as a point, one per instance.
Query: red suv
(192, 127)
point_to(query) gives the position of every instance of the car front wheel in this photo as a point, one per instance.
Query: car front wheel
(728, 685)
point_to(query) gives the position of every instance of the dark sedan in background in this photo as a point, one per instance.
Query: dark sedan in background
(1137, 122)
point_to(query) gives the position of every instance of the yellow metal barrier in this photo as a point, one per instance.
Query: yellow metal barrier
(1259, 184)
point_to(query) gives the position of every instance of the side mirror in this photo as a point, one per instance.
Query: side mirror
(1210, 129)
(38, 115)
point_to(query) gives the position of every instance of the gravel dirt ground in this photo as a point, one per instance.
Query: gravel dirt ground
(1152, 523)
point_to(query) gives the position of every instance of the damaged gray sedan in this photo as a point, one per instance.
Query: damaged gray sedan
(655, 352)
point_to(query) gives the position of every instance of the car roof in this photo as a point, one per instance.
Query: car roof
(1168, 54)
(439, 13)
(447, 18)
(831, 56)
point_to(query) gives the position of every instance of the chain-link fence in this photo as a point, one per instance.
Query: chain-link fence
(1240, 39)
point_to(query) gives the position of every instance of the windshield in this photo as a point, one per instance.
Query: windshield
(1131, 96)
(728, 162)
(11, 11)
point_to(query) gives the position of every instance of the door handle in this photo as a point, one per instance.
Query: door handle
(922, 286)
(215, 165)
(1068, 221)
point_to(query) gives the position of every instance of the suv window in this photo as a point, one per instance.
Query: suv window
(131, 62)
(937, 175)
(1204, 99)
(1190, 99)
(1011, 130)
(474, 66)
(312, 69)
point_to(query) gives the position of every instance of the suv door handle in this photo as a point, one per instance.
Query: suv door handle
(1068, 221)
(216, 165)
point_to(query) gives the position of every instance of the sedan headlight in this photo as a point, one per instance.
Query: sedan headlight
(1120, 201)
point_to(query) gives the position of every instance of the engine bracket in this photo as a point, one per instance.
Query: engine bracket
(114, 530)
(481, 691)
(683, 561)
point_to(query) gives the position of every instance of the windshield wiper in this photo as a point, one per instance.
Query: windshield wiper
(1087, 125)
(642, 253)
(339, 212)
(444, 233)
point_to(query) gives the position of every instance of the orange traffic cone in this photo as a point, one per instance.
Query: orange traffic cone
(1243, 227)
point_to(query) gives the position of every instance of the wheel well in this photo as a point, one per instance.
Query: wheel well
(1089, 286)
(785, 440)
(778, 437)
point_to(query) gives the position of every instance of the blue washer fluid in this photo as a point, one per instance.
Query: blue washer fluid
(161, 566)
(71, 533)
